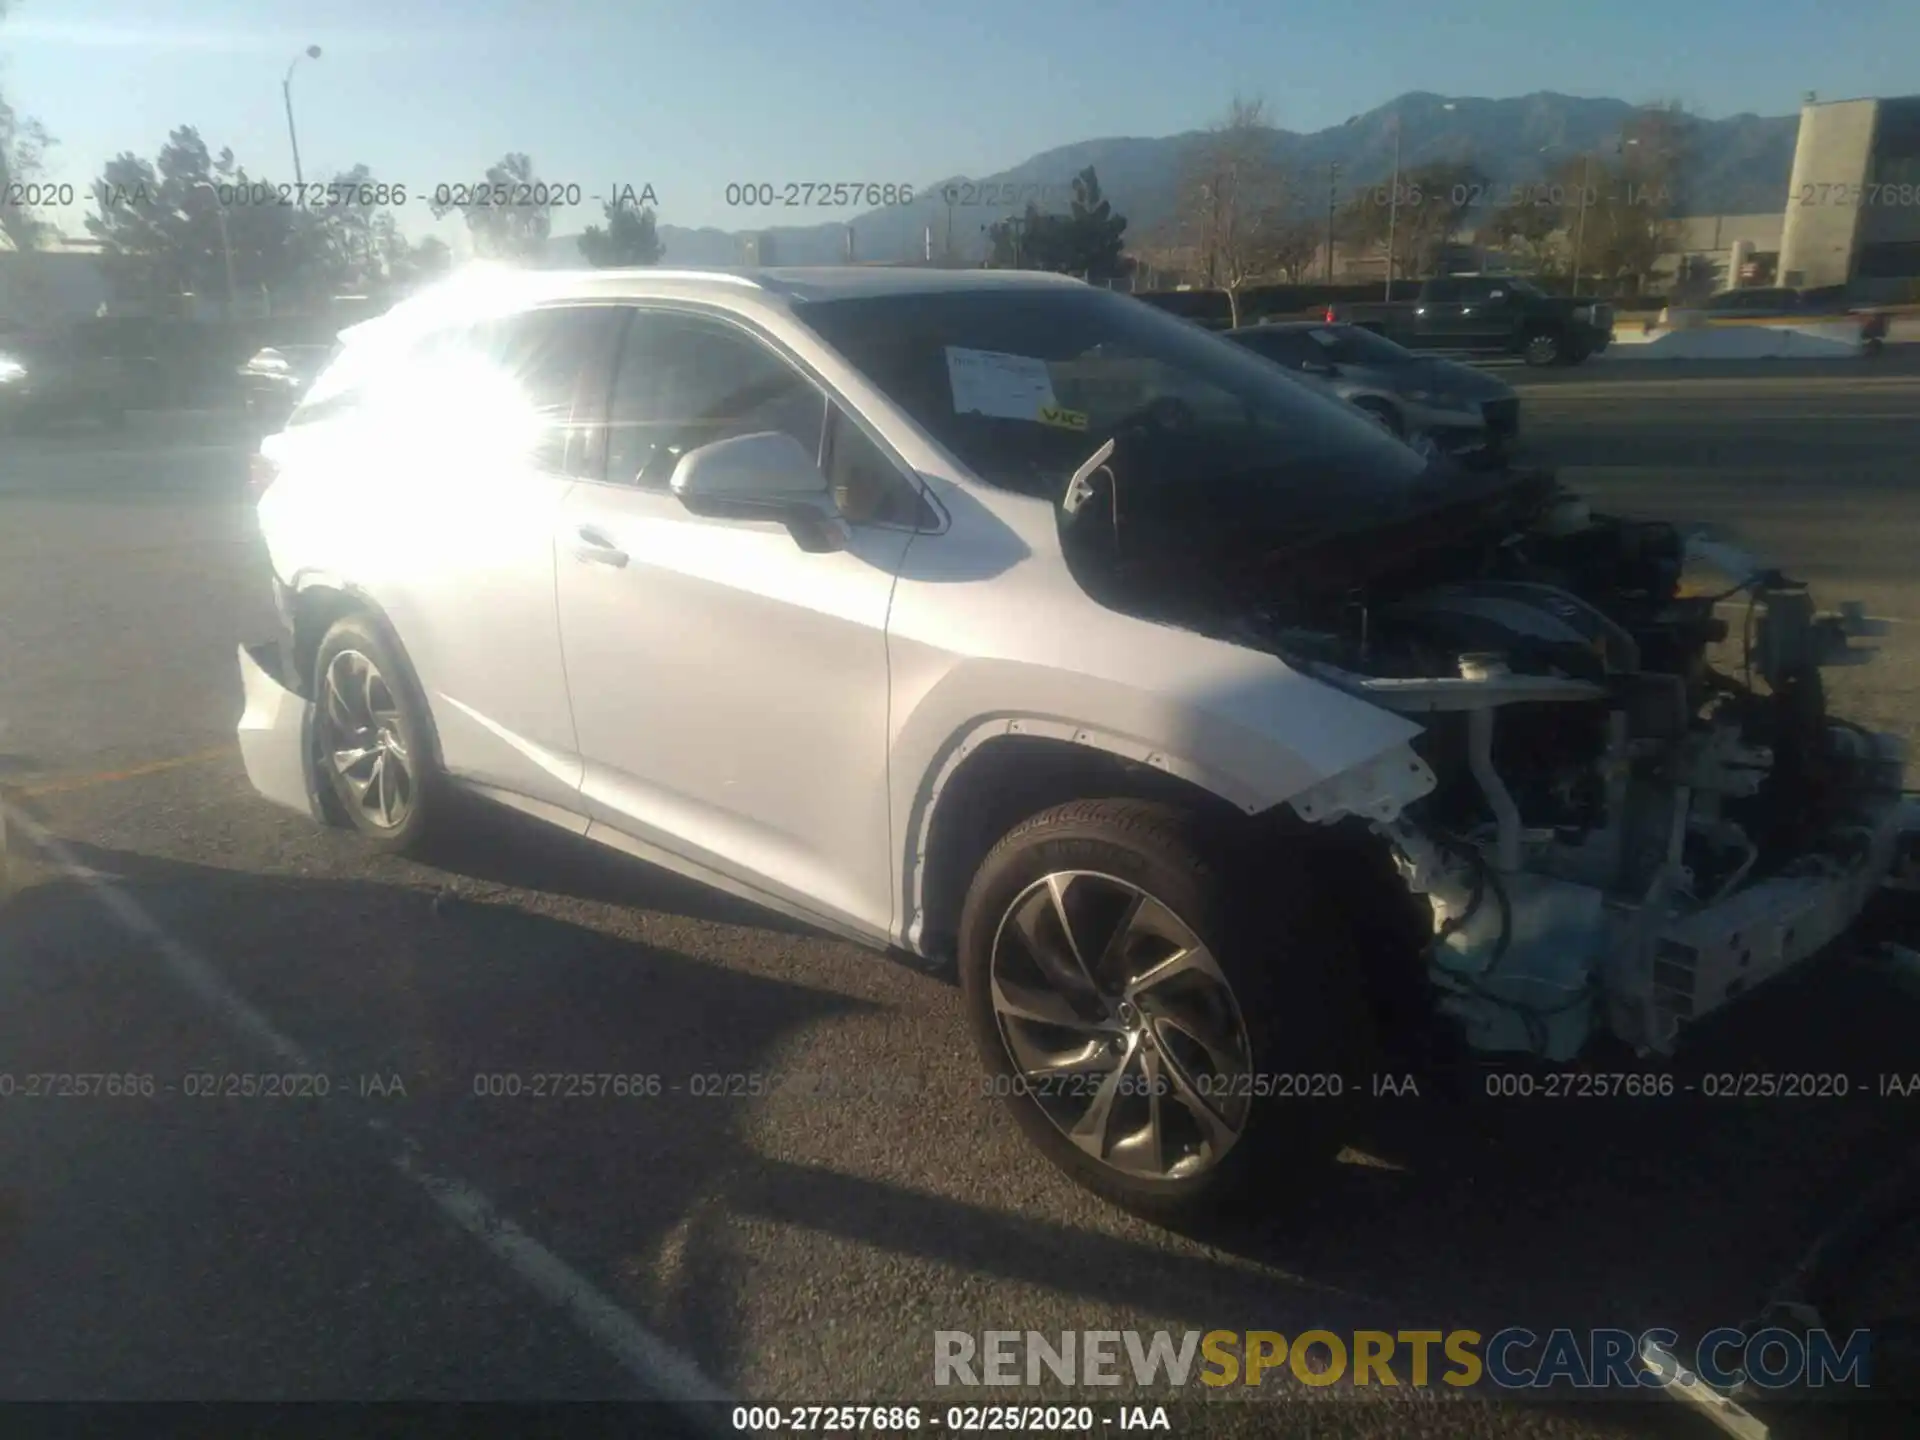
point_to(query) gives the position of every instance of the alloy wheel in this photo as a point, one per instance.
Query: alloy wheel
(1542, 350)
(1121, 1026)
(362, 740)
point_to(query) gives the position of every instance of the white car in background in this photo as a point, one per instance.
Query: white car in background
(1217, 736)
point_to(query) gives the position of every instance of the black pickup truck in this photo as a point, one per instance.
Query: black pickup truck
(1488, 315)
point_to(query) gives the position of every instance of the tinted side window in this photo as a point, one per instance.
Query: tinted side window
(547, 354)
(683, 381)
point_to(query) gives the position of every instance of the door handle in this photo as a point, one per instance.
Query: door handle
(596, 549)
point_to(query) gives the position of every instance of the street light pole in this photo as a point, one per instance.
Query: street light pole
(312, 52)
(1393, 205)
(1580, 223)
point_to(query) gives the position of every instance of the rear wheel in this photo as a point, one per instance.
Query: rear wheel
(1165, 1032)
(1542, 347)
(373, 740)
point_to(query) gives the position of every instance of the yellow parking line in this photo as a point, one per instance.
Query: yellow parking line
(61, 784)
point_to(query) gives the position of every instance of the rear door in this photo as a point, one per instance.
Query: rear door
(1483, 315)
(1438, 315)
(462, 454)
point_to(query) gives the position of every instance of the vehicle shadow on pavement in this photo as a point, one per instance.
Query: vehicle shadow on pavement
(500, 847)
(1546, 1213)
(522, 1046)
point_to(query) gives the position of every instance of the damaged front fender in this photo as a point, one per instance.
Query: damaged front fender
(1377, 789)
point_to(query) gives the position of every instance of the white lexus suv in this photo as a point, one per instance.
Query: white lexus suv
(1217, 737)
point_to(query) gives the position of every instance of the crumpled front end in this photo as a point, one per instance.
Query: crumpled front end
(1616, 836)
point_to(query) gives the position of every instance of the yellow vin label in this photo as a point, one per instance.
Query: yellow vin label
(1063, 418)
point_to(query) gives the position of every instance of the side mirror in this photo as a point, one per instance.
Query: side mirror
(763, 476)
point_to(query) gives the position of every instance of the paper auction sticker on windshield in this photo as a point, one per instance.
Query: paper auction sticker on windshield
(1062, 418)
(989, 382)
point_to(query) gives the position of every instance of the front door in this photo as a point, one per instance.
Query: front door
(729, 689)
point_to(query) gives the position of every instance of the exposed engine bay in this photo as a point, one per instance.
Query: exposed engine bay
(1612, 831)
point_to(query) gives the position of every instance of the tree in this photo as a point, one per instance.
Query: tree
(167, 227)
(630, 238)
(1094, 236)
(23, 149)
(509, 214)
(1086, 241)
(1233, 205)
(1525, 221)
(1433, 203)
(1643, 195)
(354, 234)
(1028, 241)
(414, 265)
(1296, 245)
(159, 225)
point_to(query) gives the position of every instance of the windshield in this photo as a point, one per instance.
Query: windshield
(1023, 385)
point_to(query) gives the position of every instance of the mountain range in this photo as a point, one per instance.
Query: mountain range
(1740, 165)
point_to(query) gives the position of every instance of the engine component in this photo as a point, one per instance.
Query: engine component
(1606, 828)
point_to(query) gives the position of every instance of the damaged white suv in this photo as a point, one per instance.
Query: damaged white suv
(1213, 732)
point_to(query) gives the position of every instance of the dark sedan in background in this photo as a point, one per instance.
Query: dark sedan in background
(1421, 398)
(273, 380)
(52, 378)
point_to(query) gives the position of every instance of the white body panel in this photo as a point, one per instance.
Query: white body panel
(990, 635)
(775, 721)
(455, 544)
(730, 695)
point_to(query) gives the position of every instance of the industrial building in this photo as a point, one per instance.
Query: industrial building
(1853, 204)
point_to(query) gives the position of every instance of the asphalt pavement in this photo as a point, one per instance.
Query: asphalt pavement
(408, 1235)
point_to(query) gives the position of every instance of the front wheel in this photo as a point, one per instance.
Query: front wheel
(1165, 1032)
(1383, 414)
(373, 740)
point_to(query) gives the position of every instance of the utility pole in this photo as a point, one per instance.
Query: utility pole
(1580, 224)
(1333, 199)
(1393, 205)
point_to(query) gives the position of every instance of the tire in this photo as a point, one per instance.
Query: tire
(1385, 413)
(1300, 1009)
(415, 796)
(1542, 347)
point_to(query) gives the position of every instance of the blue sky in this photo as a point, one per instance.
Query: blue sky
(692, 94)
